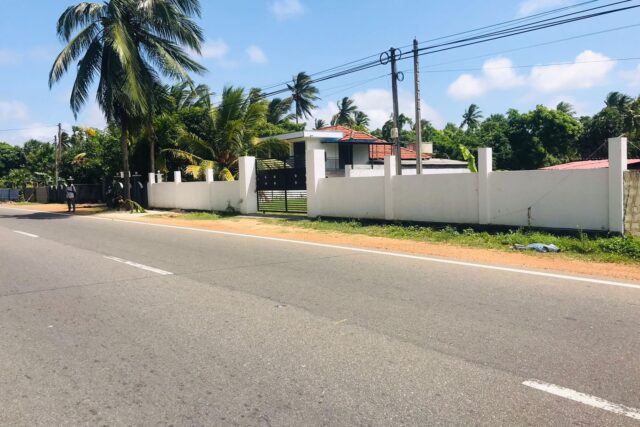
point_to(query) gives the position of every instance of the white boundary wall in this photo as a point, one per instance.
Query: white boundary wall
(207, 195)
(574, 199)
(590, 199)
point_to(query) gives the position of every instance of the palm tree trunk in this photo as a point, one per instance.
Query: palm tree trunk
(152, 148)
(125, 165)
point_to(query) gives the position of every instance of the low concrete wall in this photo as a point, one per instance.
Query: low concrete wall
(351, 197)
(436, 198)
(192, 195)
(225, 194)
(632, 202)
(569, 199)
(575, 199)
(207, 195)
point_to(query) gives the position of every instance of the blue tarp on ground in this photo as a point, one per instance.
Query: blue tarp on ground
(9, 194)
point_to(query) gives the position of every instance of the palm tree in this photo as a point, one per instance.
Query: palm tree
(361, 119)
(346, 111)
(403, 120)
(183, 95)
(319, 124)
(303, 94)
(617, 100)
(566, 108)
(278, 110)
(471, 117)
(236, 124)
(127, 45)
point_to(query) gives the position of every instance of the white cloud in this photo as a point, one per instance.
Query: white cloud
(588, 70)
(215, 49)
(13, 110)
(8, 57)
(257, 55)
(632, 77)
(591, 69)
(496, 74)
(378, 105)
(529, 7)
(32, 130)
(286, 9)
(92, 116)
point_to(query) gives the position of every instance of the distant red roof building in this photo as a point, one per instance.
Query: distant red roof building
(378, 148)
(350, 135)
(379, 152)
(592, 164)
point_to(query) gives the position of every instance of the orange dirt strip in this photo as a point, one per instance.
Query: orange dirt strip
(253, 226)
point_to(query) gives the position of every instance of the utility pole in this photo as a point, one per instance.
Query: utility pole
(395, 132)
(55, 156)
(416, 76)
(58, 151)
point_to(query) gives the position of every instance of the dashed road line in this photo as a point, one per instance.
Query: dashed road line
(25, 233)
(567, 277)
(583, 398)
(140, 266)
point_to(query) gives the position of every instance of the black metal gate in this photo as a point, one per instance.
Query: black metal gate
(281, 185)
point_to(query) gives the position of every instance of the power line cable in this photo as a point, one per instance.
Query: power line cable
(503, 23)
(533, 25)
(554, 64)
(28, 128)
(531, 46)
(482, 38)
(519, 32)
(529, 17)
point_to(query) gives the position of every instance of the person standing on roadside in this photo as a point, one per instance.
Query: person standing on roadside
(71, 195)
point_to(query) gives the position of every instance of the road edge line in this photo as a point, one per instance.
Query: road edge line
(585, 399)
(368, 251)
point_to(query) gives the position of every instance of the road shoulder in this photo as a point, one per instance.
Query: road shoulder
(258, 227)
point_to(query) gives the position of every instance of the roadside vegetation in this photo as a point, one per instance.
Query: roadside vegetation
(580, 245)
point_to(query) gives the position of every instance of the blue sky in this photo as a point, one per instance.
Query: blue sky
(257, 43)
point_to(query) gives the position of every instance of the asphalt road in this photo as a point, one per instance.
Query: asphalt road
(246, 331)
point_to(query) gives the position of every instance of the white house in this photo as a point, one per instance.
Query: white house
(350, 152)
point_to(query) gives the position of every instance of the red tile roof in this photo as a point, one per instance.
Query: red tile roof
(379, 152)
(588, 164)
(378, 148)
(350, 135)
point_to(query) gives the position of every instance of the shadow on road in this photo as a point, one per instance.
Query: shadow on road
(36, 216)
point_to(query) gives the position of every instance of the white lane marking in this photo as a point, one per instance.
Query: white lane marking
(25, 233)
(367, 251)
(140, 266)
(583, 398)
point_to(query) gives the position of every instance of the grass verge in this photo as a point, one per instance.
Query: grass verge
(581, 245)
(578, 245)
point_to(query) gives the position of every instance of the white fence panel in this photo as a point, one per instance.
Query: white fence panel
(352, 197)
(225, 194)
(436, 198)
(162, 195)
(193, 196)
(557, 199)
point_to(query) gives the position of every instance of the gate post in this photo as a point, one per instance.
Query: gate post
(485, 167)
(389, 173)
(247, 180)
(617, 166)
(315, 172)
